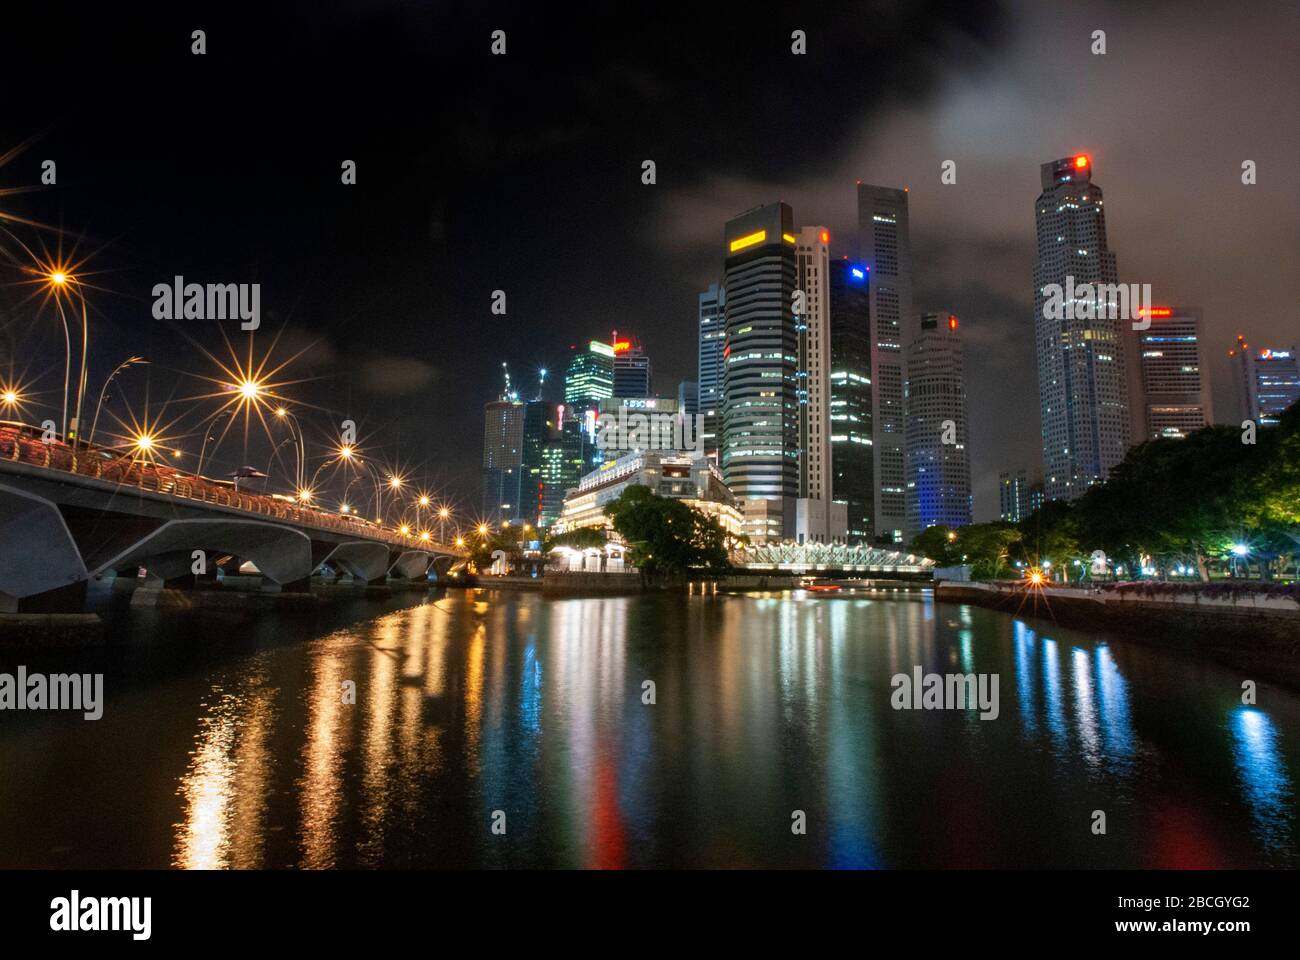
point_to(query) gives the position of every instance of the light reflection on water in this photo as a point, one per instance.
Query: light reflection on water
(762, 706)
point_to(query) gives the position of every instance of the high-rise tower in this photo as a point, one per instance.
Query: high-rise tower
(812, 257)
(938, 456)
(1175, 377)
(853, 467)
(712, 367)
(1083, 388)
(631, 368)
(760, 412)
(884, 246)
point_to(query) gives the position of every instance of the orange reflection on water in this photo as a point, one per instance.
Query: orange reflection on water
(225, 784)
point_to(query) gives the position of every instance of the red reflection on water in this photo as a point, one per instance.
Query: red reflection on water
(1184, 842)
(609, 845)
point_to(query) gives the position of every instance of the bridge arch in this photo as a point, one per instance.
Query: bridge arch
(412, 564)
(365, 560)
(281, 553)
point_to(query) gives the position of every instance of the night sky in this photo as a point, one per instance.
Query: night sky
(522, 173)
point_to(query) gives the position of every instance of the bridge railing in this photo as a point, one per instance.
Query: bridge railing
(98, 464)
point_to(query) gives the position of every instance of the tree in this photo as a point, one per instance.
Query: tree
(665, 535)
(1050, 534)
(580, 538)
(987, 548)
(938, 544)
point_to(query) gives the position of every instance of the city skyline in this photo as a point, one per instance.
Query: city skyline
(972, 239)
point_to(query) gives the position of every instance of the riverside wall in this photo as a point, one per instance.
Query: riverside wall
(1257, 635)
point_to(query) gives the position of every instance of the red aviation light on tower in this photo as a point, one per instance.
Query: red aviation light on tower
(1080, 161)
(826, 236)
(952, 321)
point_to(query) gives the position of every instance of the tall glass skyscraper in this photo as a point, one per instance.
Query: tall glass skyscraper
(885, 247)
(1083, 388)
(712, 368)
(589, 377)
(760, 411)
(852, 462)
(938, 455)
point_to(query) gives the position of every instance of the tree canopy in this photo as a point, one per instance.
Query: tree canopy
(666, 536)
(1170, 503)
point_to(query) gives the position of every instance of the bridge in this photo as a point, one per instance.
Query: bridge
(832, 559)
(71, 513)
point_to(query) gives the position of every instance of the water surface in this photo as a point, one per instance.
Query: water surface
(226, 741)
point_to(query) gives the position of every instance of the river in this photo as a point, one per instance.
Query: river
(502, 729)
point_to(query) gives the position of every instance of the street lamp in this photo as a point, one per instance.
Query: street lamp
(94, 423)
(198, 470)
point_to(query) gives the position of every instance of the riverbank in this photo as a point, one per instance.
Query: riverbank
(1256, 635)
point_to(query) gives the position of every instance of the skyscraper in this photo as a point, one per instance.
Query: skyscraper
(812, 257)
(884, 246)
(566, 456)
(589, 377)
(852, 463)
(1174, 375)
(534, 436)
(688, 397)
(503, 435)
(1267, 381)
(1083, 387)
(1018, 495)
(938, 457)
(631, 368)
(760, 411)
(712, 367)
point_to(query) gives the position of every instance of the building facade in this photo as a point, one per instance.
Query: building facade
(712, 364)
(632, 375)
(680, 475)
(503, 441)
(812, 257)
(1174, 375)
(1083, 384)
(1267, 381)
(938, 455)
(1019, 495)
(884, 247)
(589, 377)
(760, 410)
(853, 468)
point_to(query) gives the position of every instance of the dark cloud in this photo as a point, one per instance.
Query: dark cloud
(396, 375)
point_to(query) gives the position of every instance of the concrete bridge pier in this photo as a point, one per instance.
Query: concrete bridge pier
(411, 564)
(45, 573)
(364, 561)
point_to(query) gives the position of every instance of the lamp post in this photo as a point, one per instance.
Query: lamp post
(198, 470)
(81, 380)
(94, 423)
(295, 431)
(58, 279)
